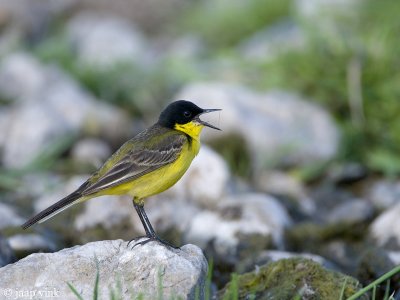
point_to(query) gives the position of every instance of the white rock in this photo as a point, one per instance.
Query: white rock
(106, 210)
(139, 271)
(318, 9)
(282, 184)
(384, 193)
(103, 40)
(272, 41)
(9, 217)
(52, 106)
(356, 210)
(31, 243)
(24, 72)
(166, 213)
(244, 214)
(31, 130)
(386, 228)
(91, 151)
(58, 192)
(278, 127)
(206, 180)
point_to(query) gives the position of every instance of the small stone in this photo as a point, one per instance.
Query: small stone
(106, 211)
(385, 229)
(272, 41)
(90, 151)
(181, 273)
(62, 189)
(6, 253)
(206, 180)
(9, 217)
(384, 194)
(354, 211)
(347, 173)
(236, 221)
(102, 41)
(283, 185)
(55, 106)
(30, 243)
(26, 74)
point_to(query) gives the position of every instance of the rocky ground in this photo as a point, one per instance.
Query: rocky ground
(271, 198)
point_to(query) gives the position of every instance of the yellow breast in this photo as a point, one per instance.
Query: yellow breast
(160, 180)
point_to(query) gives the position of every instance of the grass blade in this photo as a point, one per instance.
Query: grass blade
(73, 289)
(375, 283)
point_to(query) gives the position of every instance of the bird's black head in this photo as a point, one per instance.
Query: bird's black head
(183, 112)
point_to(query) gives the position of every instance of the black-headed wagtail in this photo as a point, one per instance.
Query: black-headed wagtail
(148, 164)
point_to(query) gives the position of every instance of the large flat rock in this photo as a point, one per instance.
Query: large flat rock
(149, 270)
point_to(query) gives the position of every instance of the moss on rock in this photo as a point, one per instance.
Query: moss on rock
(287, 278)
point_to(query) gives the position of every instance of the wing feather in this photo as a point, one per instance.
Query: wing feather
(141, 160)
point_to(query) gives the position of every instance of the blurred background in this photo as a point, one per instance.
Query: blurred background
(308, 159)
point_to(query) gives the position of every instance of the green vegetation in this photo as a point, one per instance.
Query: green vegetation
(224, 23)
(353, 71)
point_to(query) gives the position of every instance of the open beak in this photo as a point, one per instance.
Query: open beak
(206, 111)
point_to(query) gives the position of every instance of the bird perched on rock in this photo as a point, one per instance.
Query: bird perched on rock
(148, 164)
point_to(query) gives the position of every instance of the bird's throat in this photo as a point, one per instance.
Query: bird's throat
(193, 129)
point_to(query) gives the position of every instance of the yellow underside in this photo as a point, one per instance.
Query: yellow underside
(160, 180)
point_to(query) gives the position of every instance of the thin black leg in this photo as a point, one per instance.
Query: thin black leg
(149, 229)
(147, 221)
(150, 232)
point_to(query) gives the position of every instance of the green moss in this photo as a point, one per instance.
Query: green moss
(224, 23)
(285, 278)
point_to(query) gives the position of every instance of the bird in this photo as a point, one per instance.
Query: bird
(146, 165)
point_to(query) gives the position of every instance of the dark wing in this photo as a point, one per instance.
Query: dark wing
(143, 158)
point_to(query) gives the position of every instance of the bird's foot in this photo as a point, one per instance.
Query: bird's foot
(151, 239)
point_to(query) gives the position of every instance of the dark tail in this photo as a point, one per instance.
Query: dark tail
(53, 210)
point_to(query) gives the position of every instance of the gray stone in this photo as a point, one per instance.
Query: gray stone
(54, 106)
(58, 191)
(240, 217)
(33, 128)
(30, 243)
(9, 217)
(281, 128)
(129, 273)
(33, 17)
(272, 41)
(167, 214)
(151, 15)
(25, 73)
(325, 11)
(384, 193)
(354, 211)
(6, 253)
(206, 180)
(107, 211)
(385, 229)
(284, 185)
(91, 151)
(102, 41)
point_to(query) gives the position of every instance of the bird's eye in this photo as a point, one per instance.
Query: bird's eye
(187, 114)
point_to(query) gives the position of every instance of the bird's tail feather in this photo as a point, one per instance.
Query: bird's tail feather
(53, 209)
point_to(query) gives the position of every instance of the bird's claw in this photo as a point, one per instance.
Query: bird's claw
(152, 239)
